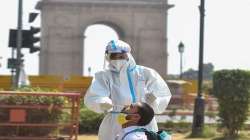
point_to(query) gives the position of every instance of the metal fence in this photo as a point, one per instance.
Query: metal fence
(18, 116)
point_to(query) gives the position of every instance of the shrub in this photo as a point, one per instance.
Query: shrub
(89, 121)
(208, 132)
(231, 87)
(183, 127)
(180, 126)
(169, 125)
(33, 115)
(211, 114)
(172, 114)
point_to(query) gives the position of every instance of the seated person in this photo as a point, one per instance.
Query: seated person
(132, 118)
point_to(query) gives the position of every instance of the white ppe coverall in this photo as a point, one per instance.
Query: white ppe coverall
(128, 86)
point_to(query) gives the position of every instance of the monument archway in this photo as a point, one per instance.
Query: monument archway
(141, 23)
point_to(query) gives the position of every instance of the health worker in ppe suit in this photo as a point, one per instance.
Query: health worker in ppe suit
(121, 84)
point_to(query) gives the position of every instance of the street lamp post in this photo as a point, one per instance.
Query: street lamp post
(198, 115)
(181, 50)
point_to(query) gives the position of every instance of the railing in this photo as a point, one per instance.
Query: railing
(58, 83)
(18, 116)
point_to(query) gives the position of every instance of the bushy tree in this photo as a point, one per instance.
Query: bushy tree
(231, 87)
(193, 74)
(89, 121)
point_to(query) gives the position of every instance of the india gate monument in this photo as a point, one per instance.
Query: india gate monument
(141, 23)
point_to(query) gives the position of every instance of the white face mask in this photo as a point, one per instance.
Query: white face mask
(118, 64)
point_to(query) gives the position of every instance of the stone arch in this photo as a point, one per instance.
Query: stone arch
(121, 33)
(141, 23)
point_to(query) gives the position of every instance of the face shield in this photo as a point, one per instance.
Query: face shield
(117, 54)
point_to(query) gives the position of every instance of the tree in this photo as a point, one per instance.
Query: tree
(231, 87)
(208, 71)
(190, 74)
(193, 74)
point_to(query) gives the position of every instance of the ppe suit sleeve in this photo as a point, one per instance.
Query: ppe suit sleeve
(160, 90)
(98, 93)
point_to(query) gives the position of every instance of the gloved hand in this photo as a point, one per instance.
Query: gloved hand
(150, 98)
(105, 106)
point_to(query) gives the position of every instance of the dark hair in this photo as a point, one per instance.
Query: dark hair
(146, 113)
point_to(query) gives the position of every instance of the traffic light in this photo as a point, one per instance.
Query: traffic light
(13, 63)
(34, 49)
(33, 39)
(13, 37)
(28, 39)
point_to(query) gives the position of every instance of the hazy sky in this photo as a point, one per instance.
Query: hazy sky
(226, 44)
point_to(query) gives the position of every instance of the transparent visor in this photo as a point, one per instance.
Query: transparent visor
(107, 56)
